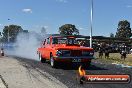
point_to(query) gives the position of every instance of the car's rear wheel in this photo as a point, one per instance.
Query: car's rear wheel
(53, 63)
(41, 58)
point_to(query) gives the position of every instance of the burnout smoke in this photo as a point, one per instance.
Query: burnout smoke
(27, 44)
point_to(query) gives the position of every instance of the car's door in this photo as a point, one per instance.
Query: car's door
(43, 49)
(47, 48)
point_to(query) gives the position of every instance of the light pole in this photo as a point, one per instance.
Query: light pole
(8, 36)
(91, 24)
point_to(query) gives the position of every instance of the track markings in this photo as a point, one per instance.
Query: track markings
(2, 83)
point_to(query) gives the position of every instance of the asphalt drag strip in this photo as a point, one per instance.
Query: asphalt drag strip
(67, 75)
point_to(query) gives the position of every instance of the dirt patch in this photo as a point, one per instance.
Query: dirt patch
(18, 76)
(3, 83)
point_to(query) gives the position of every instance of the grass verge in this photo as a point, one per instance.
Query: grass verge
(116, 58)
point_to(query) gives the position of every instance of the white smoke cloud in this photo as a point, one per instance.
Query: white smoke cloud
(63, 1)
(129, 6)
(27, 10)
(27, 45)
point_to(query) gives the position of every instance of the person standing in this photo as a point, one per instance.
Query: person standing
(100, 52)
(2, 52)
(106, 53)
(123, 54)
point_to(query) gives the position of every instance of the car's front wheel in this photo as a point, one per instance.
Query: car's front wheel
(41, 58)
(53, 63)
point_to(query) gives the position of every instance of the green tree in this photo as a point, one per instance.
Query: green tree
(10, 32)
(123, 30)
(68, 29)
(112, 35)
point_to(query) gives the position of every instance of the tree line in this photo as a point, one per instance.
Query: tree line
(123, 30)
(10, 32)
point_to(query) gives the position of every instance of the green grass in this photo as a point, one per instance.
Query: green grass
(116, 58)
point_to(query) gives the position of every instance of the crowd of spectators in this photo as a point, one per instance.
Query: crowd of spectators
(105, 50)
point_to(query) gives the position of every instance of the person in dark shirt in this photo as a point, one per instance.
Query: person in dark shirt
(100, 52)
(123, 54)
(2, 52)
(106, 53)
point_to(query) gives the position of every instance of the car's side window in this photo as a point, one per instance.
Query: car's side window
(48, 40)
(44, 42)
(54, 41)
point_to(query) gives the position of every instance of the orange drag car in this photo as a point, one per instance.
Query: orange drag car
(64, 49)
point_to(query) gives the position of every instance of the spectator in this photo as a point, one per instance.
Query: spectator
(2, 52)
(123, 54)
(106, 53)
(100, 52)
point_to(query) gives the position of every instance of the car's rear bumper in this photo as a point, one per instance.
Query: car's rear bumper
(73, 59)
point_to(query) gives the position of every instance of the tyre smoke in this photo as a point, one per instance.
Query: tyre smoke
(26, 45)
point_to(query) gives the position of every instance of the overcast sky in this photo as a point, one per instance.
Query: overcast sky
(35, 14)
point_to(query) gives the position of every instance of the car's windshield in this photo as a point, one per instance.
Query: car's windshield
(64, 40)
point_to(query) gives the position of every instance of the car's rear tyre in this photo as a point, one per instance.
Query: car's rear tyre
(41, 58)
(53, 63)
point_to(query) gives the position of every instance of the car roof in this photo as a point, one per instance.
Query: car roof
(59, 35)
